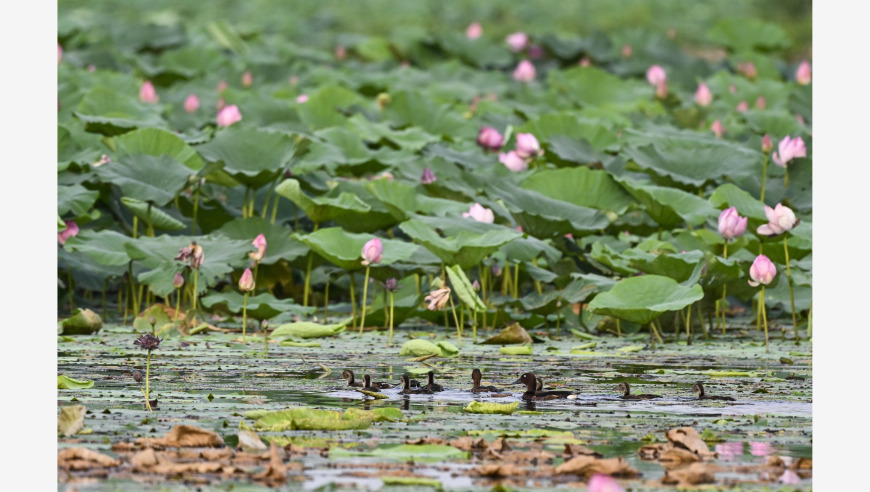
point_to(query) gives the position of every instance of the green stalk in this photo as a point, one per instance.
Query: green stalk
(326, 301)
(763, 313)
(785, 184)
(245, 203)
(195, 209)
(307, 279)
(135, 227)
(456, 320)
(244, 318)
(177, 303)
(251, 205)
(790, 286)
(391, 320)
(618, 327)
(195, 280)
(537, 283)
(763, 177)
(365, 295)
(275, 208)
(516, 285)
(265, 337)
(352, 300)
(474, 325)
(689, 326)
(724, 287)
(810, 322)
(147, 376)
(652, 340)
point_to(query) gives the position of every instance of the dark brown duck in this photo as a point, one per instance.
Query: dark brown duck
(626, 393)
(476, 376)
(698, 389)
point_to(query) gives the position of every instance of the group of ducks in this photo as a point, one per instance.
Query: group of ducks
(534, 387)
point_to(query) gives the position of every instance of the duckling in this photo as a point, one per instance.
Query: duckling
(698, 389)
(348, 374)
(432, 386)
(624, 388)
(406, 388)
(477, 388)
(371, 386)
(532, 393)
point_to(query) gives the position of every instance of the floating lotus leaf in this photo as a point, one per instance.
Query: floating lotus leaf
(66, 382)
(103, 110)
(510, 335)
(261, 306)
(82, 322)
(308, 329)
(669, 207)
(419, 347)
(523, 350)
(491, 408)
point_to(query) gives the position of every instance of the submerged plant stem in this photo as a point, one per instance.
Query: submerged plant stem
(790, 287)
(362, 322)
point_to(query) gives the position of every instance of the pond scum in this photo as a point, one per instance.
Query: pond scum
(427, 256)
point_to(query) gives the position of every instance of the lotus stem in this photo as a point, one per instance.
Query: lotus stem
(724, 288)
(251, 205)
(244, 317)
(245, 203)
(326, 301)
(785, 182)
(265, 338)
(390, 343)
(308, 279)
(516, 282)
(657, 330)
(790, 287)
(701, 322)
(195, 209)
(810, 322)
(537, 283)
(275, 208)
(149, 227)
(652, 340)
(352, 299)
(195, 282)
(689, 326)
(618, 328)
(763, 312)
(456, 320)
(135, 227)
(147, 377)
(764, 177)
(177, 303)
(256, 267)
(365, 295)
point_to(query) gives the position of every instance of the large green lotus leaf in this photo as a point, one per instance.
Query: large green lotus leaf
(415, 109)
(344, 249)
(302, 418)
(729, 195)
(610, 258)
(465, 249)
(576, 150)
(261, 306)
(146, 178)
(151, 213)
(695, 162)
(419, 347)
(582, 186)
(678, 266)
(643, 299)
(406, 452)
(479, 52)
(322, 108)
(592, 86)
(334, 146)
(70, 149)
(308, 329)
(196, 59)
(463, 288)
(279, 244)
(320, 209)
(106, 247)
(527, 248)
(746, 34)
(600, 134)
(86, 273)
(76, 199)
(578, 290)
(669, 207)
(402, 200)
(157, 142)
(542, 216)
(157, 254)
(412, 138)
(252, 156)
(378, 217)
(774, 122)
(105, 111)
(779, 297)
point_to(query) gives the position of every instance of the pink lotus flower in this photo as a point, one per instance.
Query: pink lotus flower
(372, 251)
(731, 224)
(748, 70)
(762, 271)
(513, 161)
(703, 96)
(474, 30)
(525, 71)
(428, 176)
(717, 128)
(229, 115)
(59, 53)
(517, 41)
(191, 104)
(247, 79)
(761, 102)
(222, 86)
(766, 144)
(178, 280)
(782, 219)
(742, 107)
(627, 51)
(259, 243)
(728, 450)
(72, 229)
(489, 138)
(790, 478)
(479, 213)
(246, 282)
(528, 146)
(302, 98)
(760, 448)
(789, 148)
(603, 483)
(147, 94)
(656, 75)
(803, 75)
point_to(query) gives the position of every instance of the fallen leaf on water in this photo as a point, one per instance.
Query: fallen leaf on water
(590, 465)
(275, 472)
(82, 322)
(250, 441)
(499, 470)
(66, 382)
(71, 420)
(572, 450)
(491, 408)
(694, 474)
(688, 438)
(373, 394)
(510, 335)
(182, 436)
(426, 482)
(83, 459)
(467, 443)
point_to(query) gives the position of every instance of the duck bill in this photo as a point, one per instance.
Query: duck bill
(517, 382)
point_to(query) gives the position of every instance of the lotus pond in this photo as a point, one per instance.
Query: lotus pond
(254, 200)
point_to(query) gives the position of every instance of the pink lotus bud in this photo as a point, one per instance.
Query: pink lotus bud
(525, 72)
(437, 299)
(517, 41)
(656, 75)
(718, 128)
(585, 61)
(340, 52)
(428, 176)
(789, 148)
(496, 270)
(748, 70)
(742, 107)
(732, 89)
(391, 284)
(731, 224)
(800, 120)
(147, 94)
(247, 79)
(766, 144)
(761, 102)
(104, 159)
(92, 68)
(191, 104)
(781, 219)
(229, 115)
(789, 477)
(372, 251)
(728, 450)
(528, 146)
(475, 285)
(489, 138)
(603, 483)
(222, 86)
(627, 51)
(178, 280)
(513, 161)
(803, 75)
(246, 283)
(762, 271)
(259, 243)
(662, 90)
(535, 52)
(72, 229)
(760, 448)
(480, 213)
(302, 98)
(703, 96)
(474, 30)
(59, 53)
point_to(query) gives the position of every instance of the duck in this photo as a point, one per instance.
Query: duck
(407, 390)
(348, 375)
(432, 386)
(698, 389)
(626, 393)
(370, 386)
(534, 394)
(477, 388)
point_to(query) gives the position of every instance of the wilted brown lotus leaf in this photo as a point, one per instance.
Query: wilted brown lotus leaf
(572, 450)
(651, 452)
(694, 474)
(216, 454)
(467, 443)
(185, 436)
(144, 459)
(675, 457)
(688, 438)
(83, 459)
(275, 472)
(250, 441)
(776, 461)
(499, 470)
(427, 440)
(590, 465)
(510, 335)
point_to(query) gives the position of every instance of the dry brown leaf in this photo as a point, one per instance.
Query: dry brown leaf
(688, 438)
(83, 458)
(71, 420)
(144, 459)
(674, 457)
(590, 465)
(651, 452)
(499, 470)
(427, 440)
(250, 441)
(217, 454)
(275, 472)
(694, 474)
(185, 436)
(577, 450)
(467, 443)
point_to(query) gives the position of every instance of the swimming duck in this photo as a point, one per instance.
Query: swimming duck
(533, 394)
(698, 389)
(624, 388)
(477, 388)
(370, 386)
(348, 375)
(432, 386)
(407, 390)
